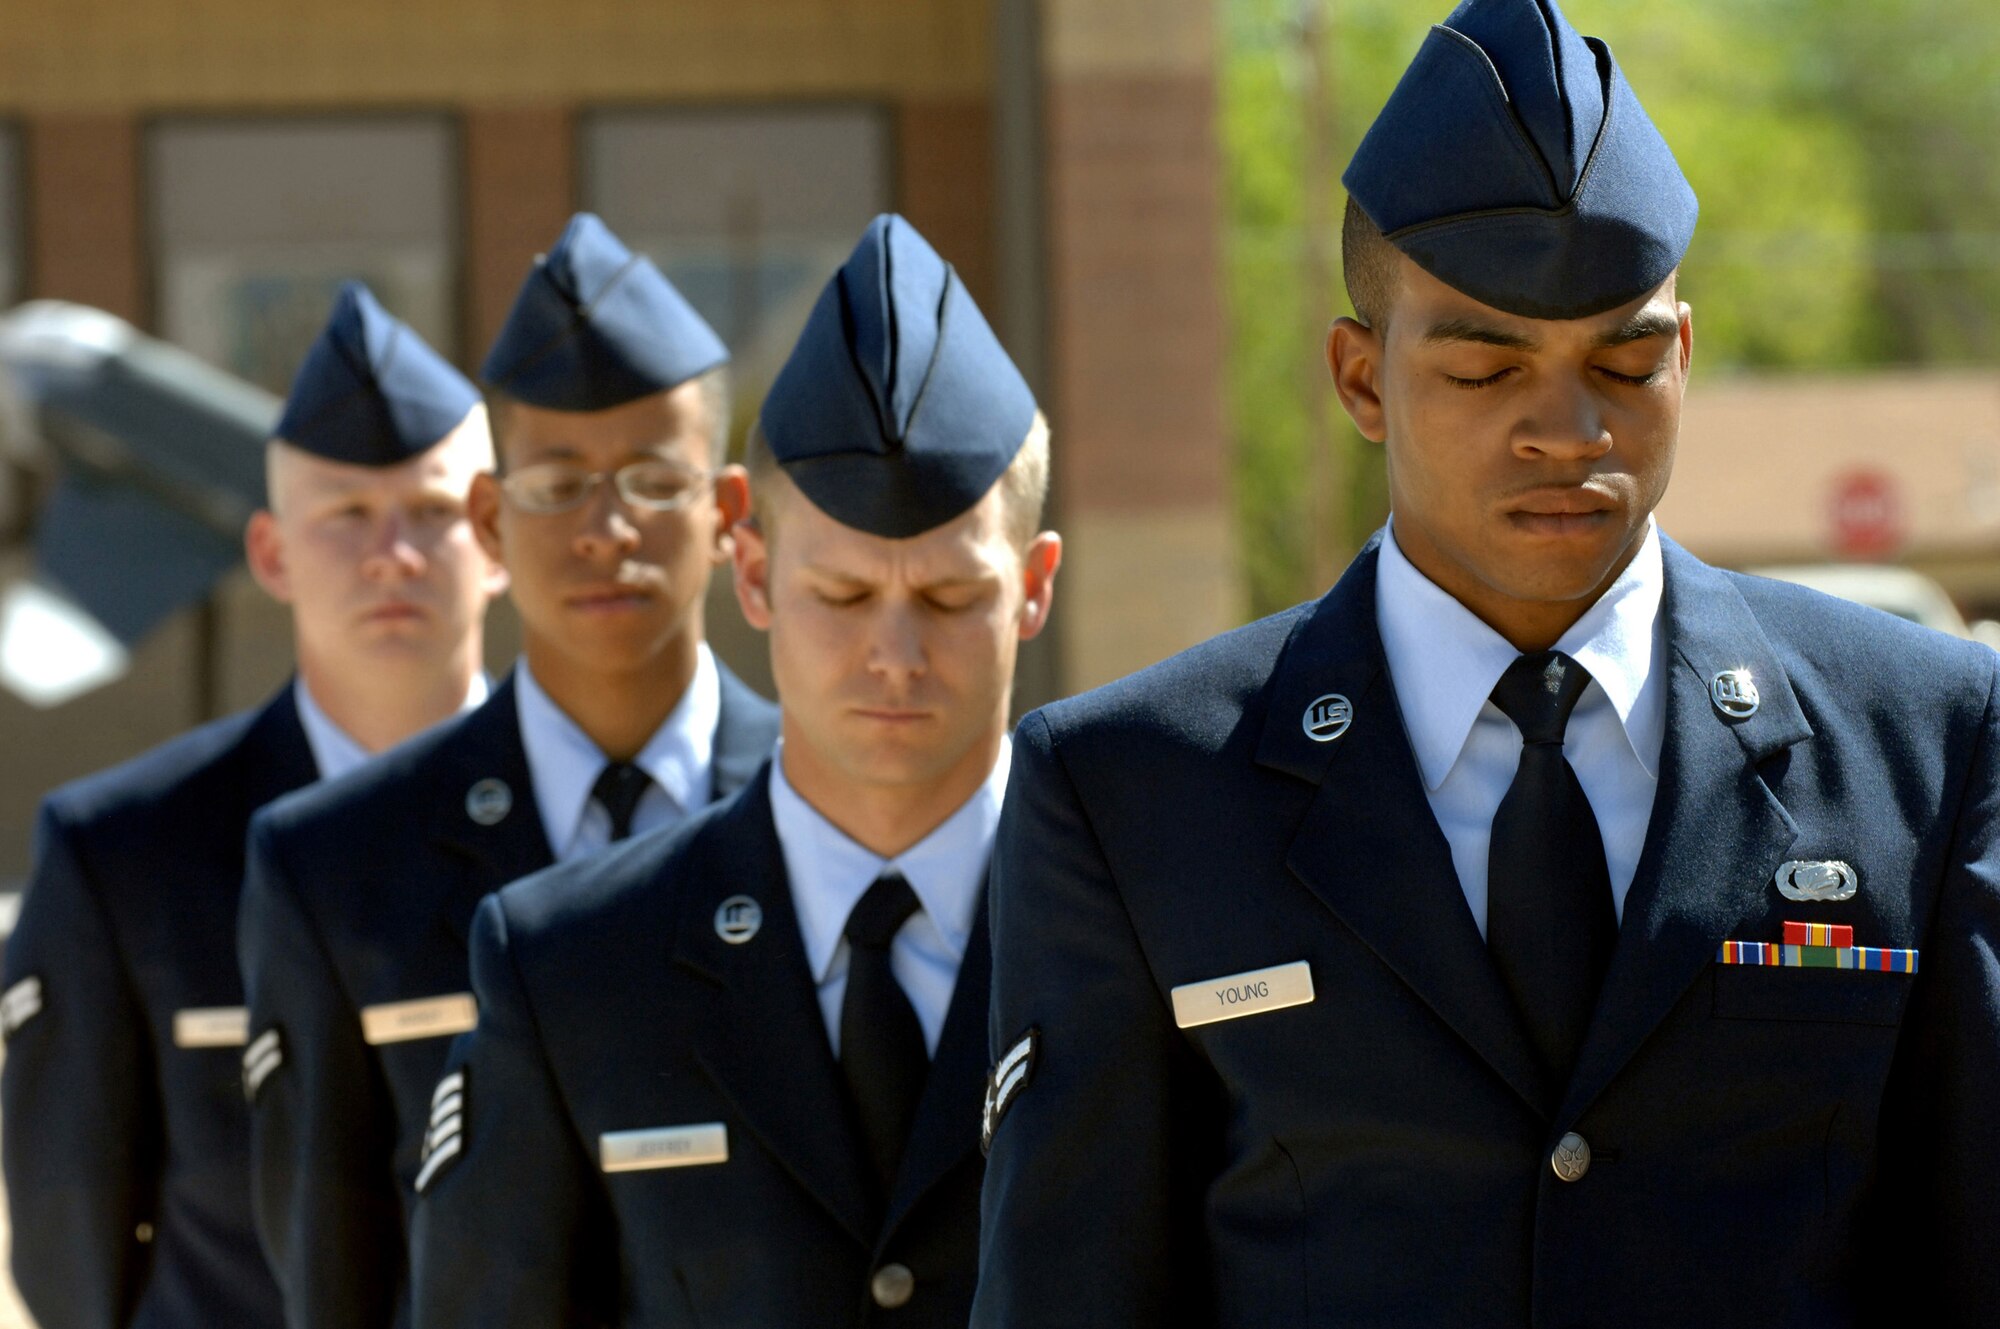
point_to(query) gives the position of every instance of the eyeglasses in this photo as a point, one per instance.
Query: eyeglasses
(558, 486)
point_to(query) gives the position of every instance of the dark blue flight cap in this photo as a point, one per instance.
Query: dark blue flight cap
(371, 392)
(1514, 164)
(596, 326)
(898, 408)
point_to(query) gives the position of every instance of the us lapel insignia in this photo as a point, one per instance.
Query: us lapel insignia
(1327, 718)
(738, 918)
(1734, 693)
(489, 802)
(1821, 881)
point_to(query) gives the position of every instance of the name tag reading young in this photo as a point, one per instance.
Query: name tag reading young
(1238, 995)
(426, 1017)
(211, 1027)
(663, 1146)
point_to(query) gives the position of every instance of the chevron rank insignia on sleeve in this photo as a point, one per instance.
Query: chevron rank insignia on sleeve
(265, 1054)
(1009, 1078)
(446, 1138)
(20, 1004)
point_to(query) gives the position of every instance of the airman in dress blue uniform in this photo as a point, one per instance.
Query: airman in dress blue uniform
(1543, 927)
(610, 406)
(127, 1143)
(732, 1077)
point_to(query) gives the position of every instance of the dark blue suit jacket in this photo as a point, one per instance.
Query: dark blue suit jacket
(1772, 1146)
(127, 1154)
(360, 894)
(609, 1003)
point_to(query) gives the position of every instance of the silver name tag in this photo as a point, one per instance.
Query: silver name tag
(426, 1017)
(211, 1027)
(663, 1146)
(1238, 995)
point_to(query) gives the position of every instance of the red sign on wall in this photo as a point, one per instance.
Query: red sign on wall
(1866, 511)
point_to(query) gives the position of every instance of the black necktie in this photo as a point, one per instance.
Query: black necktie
(1550, 924)
(618, 788)
(882, 1055)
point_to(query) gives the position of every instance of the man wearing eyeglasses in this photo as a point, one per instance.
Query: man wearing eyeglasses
(609, 403)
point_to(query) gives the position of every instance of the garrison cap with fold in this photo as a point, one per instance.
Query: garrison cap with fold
(898, 408)
(1514, 163)
(595, 326)
(370, 391)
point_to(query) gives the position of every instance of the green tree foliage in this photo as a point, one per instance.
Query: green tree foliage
(1841, 150)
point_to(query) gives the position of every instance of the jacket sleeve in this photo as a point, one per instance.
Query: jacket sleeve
(1940, 1141)
(1085, 1219)
(322, 1126)
(82, 1143)
(505, 1184)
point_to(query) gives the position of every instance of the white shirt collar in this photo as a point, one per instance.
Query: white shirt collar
(830, 873)
(335, 751)
(1445, 661)
(564, 764)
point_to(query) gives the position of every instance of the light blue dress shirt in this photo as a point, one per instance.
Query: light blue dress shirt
(830, 873)
(334, 750)
(564, 764)
(1445, 662)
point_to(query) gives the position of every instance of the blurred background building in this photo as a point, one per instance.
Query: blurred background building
(1143, 195)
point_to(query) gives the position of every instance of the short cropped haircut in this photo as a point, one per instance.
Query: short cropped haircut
(1368, 267)
(1024, 485)
(715, 405)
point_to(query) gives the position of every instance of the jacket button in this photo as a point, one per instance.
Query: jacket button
(1571, 1158)
(892, 1286)
(144, 1233)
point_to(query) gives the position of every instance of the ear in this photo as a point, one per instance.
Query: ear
(264, 551)
(1354, 355)
(732, 501)
(482, 509)
(1038, 579)
(751, 556)
(1687, 341)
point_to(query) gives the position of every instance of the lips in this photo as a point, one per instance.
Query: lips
(610, 596)
(1563, 501)
(396, 611)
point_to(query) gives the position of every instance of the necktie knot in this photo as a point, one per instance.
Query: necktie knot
(620, 786)
(1538, 692)
(881, 912)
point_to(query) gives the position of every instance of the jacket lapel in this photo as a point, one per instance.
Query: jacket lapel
(762, 1039)
(1369, 847)
(1717, 833)
(947, 1124)
(284, 756)
(745, 730)
(497, 838)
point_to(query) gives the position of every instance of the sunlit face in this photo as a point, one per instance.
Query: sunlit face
(378, 564)
(609, 584)
(1524, 455)
(894, 659)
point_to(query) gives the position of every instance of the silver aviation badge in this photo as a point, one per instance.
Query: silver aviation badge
(1824, 881)
(1327, 718)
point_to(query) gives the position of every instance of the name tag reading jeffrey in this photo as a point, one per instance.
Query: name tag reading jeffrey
(211, 1027)
(663, 1146)
(426, 1017)
(1238, 995)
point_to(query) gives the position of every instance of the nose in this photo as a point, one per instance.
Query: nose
(607, 528)
(392, 557)
(896, 652)
(1565, 421)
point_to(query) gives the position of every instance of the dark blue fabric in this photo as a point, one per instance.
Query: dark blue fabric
(898, 407)
(596, 326)
(371, 392)
(1784, 1147)
(130, 917)
(609, 1003)
(1514, 163)
(360, 892)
